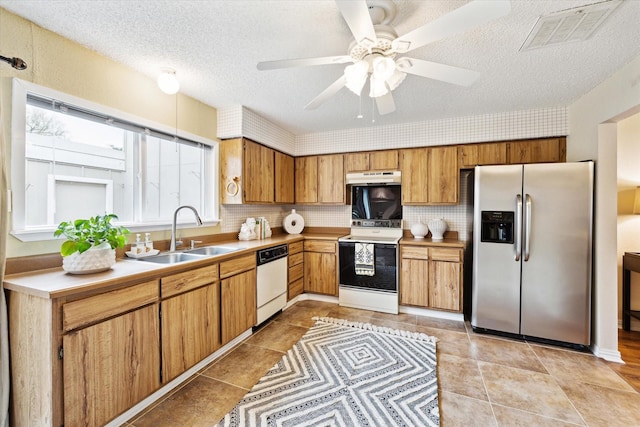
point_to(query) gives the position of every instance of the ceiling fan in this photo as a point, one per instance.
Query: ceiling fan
(374, 54)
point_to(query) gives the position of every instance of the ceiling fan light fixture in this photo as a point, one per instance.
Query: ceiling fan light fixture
(356, 76)
(168, 82)
(396, 78)
(383, 67)
(378, 87)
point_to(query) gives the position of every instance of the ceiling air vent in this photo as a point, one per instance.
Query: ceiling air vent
(570, 25)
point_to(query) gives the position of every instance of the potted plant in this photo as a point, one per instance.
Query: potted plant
(91, 243)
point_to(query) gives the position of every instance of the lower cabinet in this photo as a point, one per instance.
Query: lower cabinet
(321, 267)
(238, 296)
(295, 277)
(110, 366)
(431, 277)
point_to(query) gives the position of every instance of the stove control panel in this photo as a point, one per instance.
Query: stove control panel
(377, 223)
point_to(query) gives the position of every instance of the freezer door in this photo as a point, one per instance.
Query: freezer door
(495, 299)
(556, 268)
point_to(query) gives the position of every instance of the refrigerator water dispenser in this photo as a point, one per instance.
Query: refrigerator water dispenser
(497, 226)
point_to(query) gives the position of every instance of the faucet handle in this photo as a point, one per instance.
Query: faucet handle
(193, 243)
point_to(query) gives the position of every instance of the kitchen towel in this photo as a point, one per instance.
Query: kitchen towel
(364, 259)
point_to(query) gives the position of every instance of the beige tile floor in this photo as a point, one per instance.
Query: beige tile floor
(484, 380)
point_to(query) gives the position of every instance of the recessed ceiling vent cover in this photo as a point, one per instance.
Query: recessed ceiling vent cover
(570, 25)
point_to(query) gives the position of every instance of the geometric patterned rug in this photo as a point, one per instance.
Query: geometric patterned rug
(344, 373)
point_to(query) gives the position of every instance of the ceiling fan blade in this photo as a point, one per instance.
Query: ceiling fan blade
(303, 62)
(466, 17)
(385, 104)
(437, 71)
(356, 14)
(326, 94)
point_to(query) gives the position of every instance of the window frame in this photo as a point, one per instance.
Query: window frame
(19, 91)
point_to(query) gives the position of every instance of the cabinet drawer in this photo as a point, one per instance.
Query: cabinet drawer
(442, 254)
(296, 272)
(89, 310)
(295, 288)
(414, 252)
(320, 246)
(296, 247)
(237, 265)
(181, 282)
(295, 259)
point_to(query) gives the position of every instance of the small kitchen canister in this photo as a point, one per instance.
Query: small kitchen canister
(293, 223)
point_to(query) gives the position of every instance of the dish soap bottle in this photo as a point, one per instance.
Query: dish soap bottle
(139, 247)
(148, 243)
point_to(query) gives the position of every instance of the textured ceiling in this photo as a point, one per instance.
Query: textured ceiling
(215, 45)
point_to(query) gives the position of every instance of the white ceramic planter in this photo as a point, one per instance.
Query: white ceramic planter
(438, 227)
(96, 259)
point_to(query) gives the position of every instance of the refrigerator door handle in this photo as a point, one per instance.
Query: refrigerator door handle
(527, 225)
(518, 220)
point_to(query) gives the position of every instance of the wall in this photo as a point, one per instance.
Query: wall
(628, 224)
(593, 134)
(62, 65)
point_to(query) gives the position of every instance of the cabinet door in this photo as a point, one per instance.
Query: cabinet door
(306, 177)
(284, 165)
(414, 275)
(494, 153)
(443, 176)
(110, 366)
(331, 187)
(414, 176)
(386, 160)
(190, 329)
(320, 273)
(537, 151)
(238, 312)
(356, 162)
(445, 285)
(259, 173)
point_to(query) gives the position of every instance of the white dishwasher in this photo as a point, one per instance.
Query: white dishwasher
(271, 281)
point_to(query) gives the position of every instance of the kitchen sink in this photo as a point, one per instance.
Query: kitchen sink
(211, 250)
(172, 258)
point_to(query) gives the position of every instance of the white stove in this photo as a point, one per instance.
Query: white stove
(369, 265)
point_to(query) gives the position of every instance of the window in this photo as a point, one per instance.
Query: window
(75, 159)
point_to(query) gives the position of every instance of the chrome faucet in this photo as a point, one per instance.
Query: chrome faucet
(175, 219)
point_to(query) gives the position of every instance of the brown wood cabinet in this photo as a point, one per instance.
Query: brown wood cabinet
(238, 296)
(320, 179)
(98, 388)
(431, 277)
(548, 150)
(430, 176)
(296, 270)
(253, 173)
(321, 267)
(386, 160)
(190, 319)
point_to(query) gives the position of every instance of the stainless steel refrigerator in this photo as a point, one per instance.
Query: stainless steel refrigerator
(532, 251)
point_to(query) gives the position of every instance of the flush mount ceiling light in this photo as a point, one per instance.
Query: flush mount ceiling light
(167, 81)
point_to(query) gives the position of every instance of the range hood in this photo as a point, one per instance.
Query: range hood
(374, 178)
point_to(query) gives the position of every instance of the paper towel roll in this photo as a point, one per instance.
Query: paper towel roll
(293, 223)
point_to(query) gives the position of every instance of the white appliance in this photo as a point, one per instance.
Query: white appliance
(532, 246)
(271, 281)
(368, 257)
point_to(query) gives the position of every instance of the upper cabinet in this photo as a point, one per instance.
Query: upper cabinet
(548, 150)
(253, 173)
(429, 176)
(320, 179)
(386, 160)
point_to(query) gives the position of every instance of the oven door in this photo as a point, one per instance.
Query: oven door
(385, 277)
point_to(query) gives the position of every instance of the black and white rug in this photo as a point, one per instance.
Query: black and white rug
(345, 373)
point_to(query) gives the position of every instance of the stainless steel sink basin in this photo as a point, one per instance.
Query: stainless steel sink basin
(172, 258)
(211, 250)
